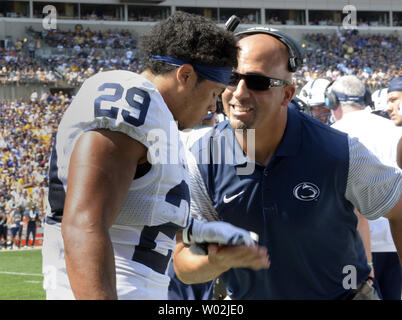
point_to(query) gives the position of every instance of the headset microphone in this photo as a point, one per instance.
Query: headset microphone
(232, 23)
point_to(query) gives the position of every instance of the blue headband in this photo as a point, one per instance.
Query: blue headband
(395, 85)
(345, 97)
(216, 74)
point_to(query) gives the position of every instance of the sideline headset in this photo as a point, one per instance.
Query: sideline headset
(296, 54)
(333, 98)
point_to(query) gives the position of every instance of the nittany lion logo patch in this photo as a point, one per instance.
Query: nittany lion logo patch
(306, 191)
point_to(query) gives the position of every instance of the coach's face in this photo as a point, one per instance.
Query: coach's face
(250, 109)
(394, 105)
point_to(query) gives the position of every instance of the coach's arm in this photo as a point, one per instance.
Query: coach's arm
(102, 167)
(395, 221)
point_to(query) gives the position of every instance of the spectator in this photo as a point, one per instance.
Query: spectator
(34, 96)
(32, 217)
(3, 223)
(15, 224)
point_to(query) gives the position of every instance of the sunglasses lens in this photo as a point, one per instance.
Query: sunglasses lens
(253, 81)
(257, 82)
(234, 79)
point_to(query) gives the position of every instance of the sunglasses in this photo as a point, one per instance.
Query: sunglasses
(256, 82)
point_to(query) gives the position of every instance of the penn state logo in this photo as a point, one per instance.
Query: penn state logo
(306, 191)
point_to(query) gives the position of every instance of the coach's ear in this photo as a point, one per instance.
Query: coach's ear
(186, 76)
(288, 96)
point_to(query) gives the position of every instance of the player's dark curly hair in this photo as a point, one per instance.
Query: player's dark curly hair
(191, 38)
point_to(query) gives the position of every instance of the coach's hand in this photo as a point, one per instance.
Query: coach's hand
(224, 247)
(225, 257)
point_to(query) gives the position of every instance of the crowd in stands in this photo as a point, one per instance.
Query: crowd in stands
(81, 53)
(18, 66)
(376, 59)
(110, 39)
(27, 129)
(75, 69)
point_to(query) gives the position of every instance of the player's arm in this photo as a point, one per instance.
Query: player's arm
(102, 167)
(194, 268)
(395, 222)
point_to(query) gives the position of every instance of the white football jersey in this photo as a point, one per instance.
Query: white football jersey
(157, 204)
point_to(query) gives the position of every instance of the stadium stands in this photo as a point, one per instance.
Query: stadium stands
(27, 129)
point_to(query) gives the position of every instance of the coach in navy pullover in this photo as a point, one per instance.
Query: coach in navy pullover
(302, 181)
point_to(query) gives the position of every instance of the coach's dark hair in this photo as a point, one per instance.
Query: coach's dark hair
(191, 38)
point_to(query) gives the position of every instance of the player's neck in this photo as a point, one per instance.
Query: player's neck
(164, 86)
(150, 77)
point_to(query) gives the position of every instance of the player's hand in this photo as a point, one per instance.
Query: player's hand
(225, 257)
(218, 232)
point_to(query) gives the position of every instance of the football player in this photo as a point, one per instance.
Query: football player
(312, 94)
(118, 185)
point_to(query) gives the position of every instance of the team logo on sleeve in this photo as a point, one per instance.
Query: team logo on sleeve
(306, 191)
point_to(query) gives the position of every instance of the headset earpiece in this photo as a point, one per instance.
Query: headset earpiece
(331, 100)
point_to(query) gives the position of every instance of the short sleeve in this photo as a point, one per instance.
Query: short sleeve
(120, 101)
(372, 187)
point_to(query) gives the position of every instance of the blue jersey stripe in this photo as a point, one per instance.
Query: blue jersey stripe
(57, 194)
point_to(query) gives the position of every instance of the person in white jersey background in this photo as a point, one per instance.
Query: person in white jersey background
(381, 137)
